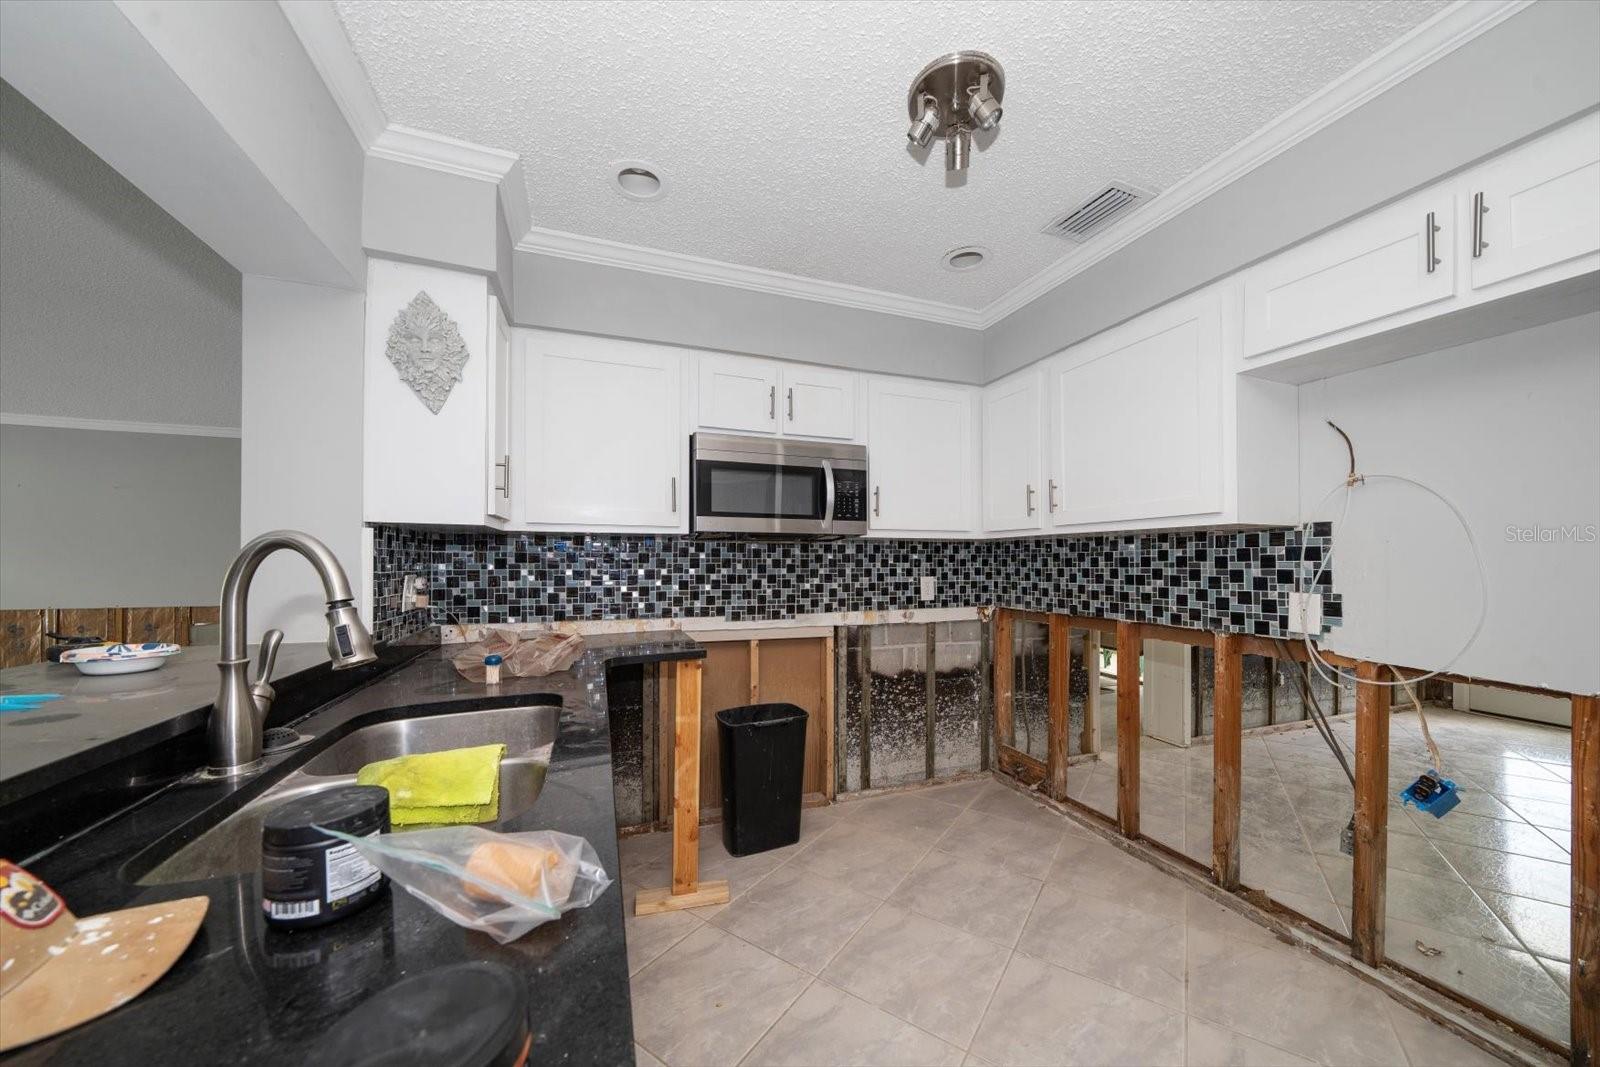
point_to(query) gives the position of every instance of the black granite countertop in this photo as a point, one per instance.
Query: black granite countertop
(246, 994)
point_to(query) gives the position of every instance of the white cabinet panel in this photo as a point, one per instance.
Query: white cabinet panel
(1377, 265)
(920, 451)
(818, 402)
(603, 441)
(1013, 455)
(1138, 418)
(499, 502)
(739, 395)
(1537, 206)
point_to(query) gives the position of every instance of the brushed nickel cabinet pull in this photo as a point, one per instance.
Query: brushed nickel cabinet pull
(791, 405)
(504, 488)
(877, 511)
(1030, 500)
(1052, 484)
(772, 403)
(1430, 254)
(1479, 210)
(674, 494)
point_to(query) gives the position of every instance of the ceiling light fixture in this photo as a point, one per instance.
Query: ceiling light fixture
(951, 97)
(965, 258)
(637, 180)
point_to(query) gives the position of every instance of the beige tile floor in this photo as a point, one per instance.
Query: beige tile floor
(965, 924)
(1489, 884)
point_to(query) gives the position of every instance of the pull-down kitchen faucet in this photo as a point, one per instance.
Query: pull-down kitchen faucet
(238, 718)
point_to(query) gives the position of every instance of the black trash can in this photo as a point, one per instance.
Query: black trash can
(763, 767)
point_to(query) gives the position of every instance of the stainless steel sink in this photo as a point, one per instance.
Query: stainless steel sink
(233, 846)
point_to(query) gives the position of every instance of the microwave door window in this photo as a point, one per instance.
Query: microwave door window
(752, 490)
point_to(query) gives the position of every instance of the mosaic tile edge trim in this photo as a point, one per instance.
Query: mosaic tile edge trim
(1225, 580)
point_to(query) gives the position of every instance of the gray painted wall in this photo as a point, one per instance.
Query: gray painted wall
(96, 519)
(112, 309)
(1531, 72)
(564, 294)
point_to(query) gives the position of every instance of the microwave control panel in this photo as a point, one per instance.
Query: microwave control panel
(849, 496)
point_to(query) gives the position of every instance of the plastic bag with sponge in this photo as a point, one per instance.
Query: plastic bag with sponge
(501, 884)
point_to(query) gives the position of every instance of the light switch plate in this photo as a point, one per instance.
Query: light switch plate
(1305, 613)
(930, 588)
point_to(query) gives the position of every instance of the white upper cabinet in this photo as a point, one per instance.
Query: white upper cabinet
(741, 394)
(1138, 419)
(1537, 206)
(1015, 496)
(738, 394)
(499, 502)
(921, 450)
(1392, 260)
(817, 402)
(603, 442)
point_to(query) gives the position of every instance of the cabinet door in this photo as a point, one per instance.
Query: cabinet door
(920, 453)
(1013, 419)
(739, 394)
(604, 444)
(1377, 265)
(1138, 418)
(818, 403)
(499, 488)
(1537, 206)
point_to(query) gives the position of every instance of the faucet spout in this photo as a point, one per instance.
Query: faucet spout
(238, 717)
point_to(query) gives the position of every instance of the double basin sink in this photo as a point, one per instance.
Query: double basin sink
(233, 845)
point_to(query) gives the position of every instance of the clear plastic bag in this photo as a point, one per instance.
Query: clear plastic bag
(532, 656)
(501, 884)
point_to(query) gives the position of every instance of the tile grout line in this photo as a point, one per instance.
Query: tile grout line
(1277, 774)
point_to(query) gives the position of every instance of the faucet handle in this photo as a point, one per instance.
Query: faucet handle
(269, 655)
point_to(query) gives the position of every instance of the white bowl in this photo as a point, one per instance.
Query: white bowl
(121, 666)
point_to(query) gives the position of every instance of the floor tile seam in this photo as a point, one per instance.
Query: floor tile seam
(811, 981)
(920, 1029)
(1304, 834)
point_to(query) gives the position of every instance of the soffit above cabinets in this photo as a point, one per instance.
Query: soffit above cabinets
(783, 161)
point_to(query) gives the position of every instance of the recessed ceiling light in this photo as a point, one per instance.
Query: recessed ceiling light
(967, 257)
(637, 180)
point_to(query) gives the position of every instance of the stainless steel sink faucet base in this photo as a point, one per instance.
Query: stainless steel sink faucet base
(233, 735)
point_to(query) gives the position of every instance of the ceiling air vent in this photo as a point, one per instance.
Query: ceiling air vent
(1096, 213)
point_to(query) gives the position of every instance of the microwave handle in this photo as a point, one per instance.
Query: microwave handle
(827, 512)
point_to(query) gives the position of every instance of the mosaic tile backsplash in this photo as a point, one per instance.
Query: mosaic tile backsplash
(1235, 581)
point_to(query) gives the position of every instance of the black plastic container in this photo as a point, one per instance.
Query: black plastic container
(467, 1014)
(309, 878)
(763, 770)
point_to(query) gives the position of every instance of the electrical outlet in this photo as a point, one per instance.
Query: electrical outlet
(417, 587)
(930, 588)
(1305, 613)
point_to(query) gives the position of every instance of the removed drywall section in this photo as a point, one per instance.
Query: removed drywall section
(89, 517)
(1505, 430)
(567, 294)
(1524, 75)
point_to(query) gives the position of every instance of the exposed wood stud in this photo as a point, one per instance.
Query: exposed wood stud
(1586, 880)
(930, 727)
(1227, 746)
(755, 672)
(1091, 699)
(1130, 643)
(864, 651)
(1059, 697)
(686, 778)
(985, 702)
(841, 690)
(1005, 665)
(829, 669)
(1271, 666)
(1372, 814)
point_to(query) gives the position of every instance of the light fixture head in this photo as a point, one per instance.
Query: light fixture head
(925, 123)
(951, 97)
(637, 180)
(965, 258)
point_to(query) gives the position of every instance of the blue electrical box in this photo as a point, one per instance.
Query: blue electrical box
(1432, 793)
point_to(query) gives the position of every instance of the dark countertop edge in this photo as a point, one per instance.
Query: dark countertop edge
(576, 967)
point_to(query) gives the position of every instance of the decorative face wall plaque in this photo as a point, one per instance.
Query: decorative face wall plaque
(427, 350)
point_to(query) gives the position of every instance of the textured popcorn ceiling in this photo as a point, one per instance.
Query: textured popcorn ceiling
(781, 127)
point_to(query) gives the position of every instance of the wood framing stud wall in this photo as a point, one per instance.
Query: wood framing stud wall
(1586, 880)
(1226, 755)
(1129, 646)
(1372, 814)
(1005, 665)
(1060, 696)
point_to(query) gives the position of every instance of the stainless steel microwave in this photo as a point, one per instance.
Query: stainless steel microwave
(764, 485)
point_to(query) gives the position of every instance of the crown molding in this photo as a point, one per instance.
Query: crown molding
(1433, 39)
(62, 422)
(322, 35)
(756, 279)
(403, 144)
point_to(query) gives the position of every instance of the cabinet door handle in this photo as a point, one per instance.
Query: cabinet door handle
(1430, 253)
(1479, 210)
(791, 405)
(877, 511)
(772, 403)
(504, 466)
(1030, 500)
(674, 494)
(1052, 484)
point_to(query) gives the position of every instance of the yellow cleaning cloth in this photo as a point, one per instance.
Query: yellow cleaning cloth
(461, 785)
